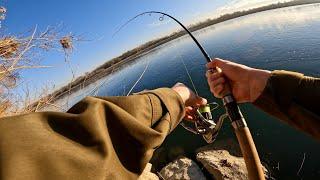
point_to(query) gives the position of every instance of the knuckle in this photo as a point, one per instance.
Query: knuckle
(217, 95)
(212, 78)
(212, 90)
(221, 80)
(211, 84)
(217, 74)
(219, 88)
(215, 83)
(218, 82)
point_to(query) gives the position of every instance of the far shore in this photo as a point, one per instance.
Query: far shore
(130, 56)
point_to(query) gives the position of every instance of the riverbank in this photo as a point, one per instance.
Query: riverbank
(117, 63)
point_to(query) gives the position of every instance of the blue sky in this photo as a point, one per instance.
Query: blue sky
(98, 20)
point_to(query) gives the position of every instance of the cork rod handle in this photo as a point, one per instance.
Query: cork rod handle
(247, 146)
(250, 154)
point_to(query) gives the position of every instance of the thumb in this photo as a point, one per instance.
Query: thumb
(200, 101)
(216, 62)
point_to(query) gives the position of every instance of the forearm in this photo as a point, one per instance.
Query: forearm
(292, 98)
(308, 94)
(98, 138)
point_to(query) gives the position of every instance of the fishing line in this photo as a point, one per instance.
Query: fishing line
(187, 71)
(194, 87)
(134, 85)
(96, 89)
(161, 18)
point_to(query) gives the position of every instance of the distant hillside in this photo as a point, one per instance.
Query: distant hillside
(116, 63)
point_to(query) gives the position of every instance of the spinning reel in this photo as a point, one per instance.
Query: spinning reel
(205, 124)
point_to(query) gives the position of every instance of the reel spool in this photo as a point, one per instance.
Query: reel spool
(205, 124)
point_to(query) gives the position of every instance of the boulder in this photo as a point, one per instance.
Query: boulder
(222, 165)
(223, 160)
(164, 155)
(147, 174)
(182, 168)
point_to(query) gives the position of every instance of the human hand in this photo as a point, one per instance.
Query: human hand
(246, 83)
(190, 99)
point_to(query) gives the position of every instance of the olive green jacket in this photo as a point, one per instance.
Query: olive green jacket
(98, 138)
(293, 98)
(114, 137)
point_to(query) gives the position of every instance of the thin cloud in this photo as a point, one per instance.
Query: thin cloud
(234, 6)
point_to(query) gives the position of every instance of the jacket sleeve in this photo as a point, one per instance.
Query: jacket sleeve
(98, 138)
(293, 98)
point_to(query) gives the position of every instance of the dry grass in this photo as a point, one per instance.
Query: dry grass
(4, 107)
(3, 11)
(8, 47)
(43, 100)
(66, 42)
(27, 104)
(18, 52)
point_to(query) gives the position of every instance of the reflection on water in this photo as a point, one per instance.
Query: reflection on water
(286, 38)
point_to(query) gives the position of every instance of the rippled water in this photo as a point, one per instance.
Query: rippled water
(279, 39)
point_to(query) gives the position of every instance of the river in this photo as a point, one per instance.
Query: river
(287, 38)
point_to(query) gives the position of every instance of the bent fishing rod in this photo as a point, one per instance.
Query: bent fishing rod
(238, 122)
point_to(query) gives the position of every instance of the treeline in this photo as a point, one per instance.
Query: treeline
(115, 63)
(237, 14)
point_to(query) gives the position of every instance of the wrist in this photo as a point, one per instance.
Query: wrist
(258, 79)
(182, 93)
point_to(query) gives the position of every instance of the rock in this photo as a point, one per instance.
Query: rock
(222, 165)
(217, 160)
(175, 152)
(182, 168)
(230, 145)
(147, 174)
(164, 155)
